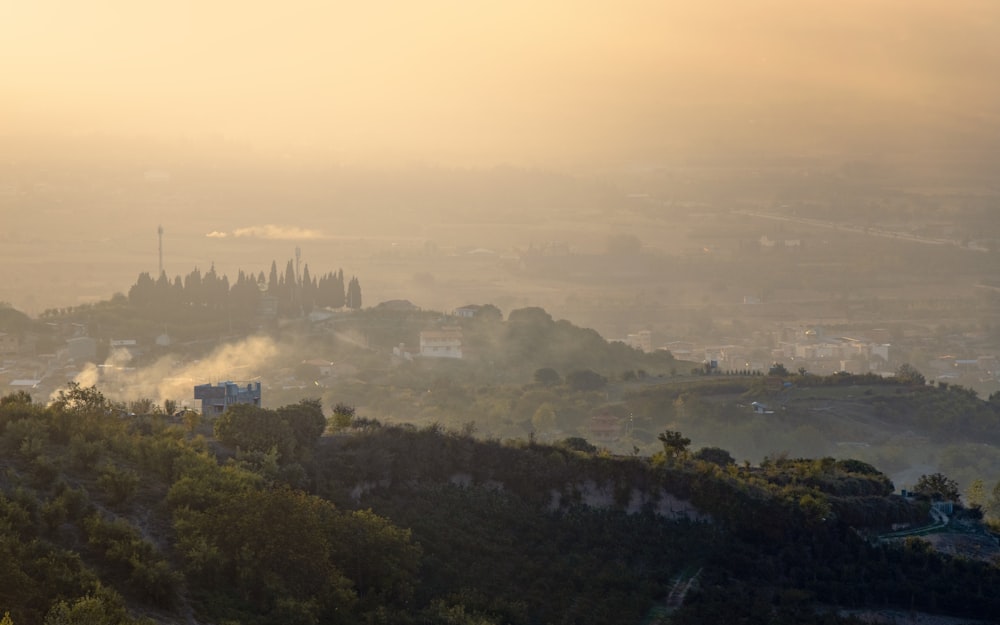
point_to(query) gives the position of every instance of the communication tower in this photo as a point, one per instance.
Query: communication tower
(159, 231)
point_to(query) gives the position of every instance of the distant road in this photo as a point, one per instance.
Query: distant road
(870, 231)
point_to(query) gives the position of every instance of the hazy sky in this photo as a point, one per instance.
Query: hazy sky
(511, 81)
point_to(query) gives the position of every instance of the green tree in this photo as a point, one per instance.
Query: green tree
(815, 507)
(547, 376)
(102, 607)
(354, 294)
(586, 380)
(19, 398)
(273, 548)
(79, 399)
(251, 428)
(330, 290)
(578, 443)
(489, 312)
(937, 486)
(532, 315)
(379, 557)
(272, 279)
(993, 399)
(675, 444)
(308, 294)
(192, 419)
(343, 416)
(305, 421)
(715, 455)
(975, 496)
(908, 374)
(119, 485)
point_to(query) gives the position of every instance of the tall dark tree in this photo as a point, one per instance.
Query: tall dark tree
(243, 296)
(307, 290)
(163, 292)
(223, 292)
(289, 288)
(330, 291)
(211, 289)
(141, 293)
(177, 292)
(272, 279)
(354, 294)
(339, 290)
(192, 287)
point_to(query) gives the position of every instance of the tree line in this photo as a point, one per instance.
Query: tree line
(294, 294)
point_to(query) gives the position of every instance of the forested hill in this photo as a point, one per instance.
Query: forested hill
(260, 517)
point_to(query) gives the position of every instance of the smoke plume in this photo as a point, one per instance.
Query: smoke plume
(169, 378)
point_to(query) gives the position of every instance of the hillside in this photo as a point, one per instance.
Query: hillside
(495, 386)
(530, 375)
(143, 519)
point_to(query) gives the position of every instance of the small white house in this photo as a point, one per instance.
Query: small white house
(467, 312)
(441, 343)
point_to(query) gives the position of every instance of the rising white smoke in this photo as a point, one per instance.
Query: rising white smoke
(272, 231)
(170, 378)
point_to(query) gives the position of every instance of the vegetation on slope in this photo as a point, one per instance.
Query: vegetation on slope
(138, 518)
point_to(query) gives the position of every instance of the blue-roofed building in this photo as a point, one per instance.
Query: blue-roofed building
(216, 398)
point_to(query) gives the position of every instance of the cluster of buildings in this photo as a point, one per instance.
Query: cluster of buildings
(641, 340)
(822, 354)
(949, 368)
(810, 349)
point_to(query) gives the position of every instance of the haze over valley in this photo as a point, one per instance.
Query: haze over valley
(526, 287)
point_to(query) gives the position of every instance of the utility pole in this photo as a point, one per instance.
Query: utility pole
(159, 231)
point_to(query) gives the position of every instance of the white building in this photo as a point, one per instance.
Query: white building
(445, 343)
(642, 340)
